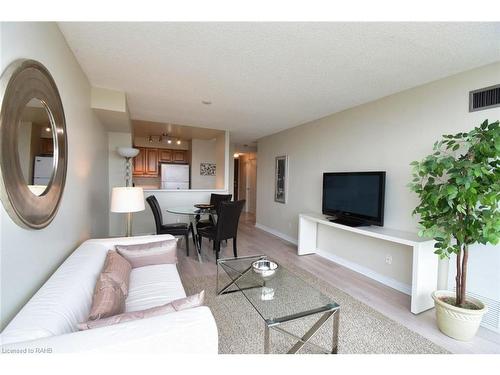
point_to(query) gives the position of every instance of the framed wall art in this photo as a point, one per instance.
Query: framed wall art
(207, 169)
(281, 179)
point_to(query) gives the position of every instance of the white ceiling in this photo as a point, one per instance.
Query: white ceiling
(146, 128)
(265, 77)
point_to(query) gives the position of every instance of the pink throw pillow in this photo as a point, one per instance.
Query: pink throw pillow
(118, 269)
(151, 253)
(108, 299)
(177, 305)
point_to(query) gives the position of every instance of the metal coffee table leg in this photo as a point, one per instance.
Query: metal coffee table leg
(266, 338)
(336, 323)
(301, 341)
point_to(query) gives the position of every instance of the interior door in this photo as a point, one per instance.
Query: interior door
(242, 186)
(251, 188)
(236, 182)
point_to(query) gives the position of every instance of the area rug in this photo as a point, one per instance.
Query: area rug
(362, 329)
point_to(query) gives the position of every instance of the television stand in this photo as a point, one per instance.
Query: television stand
(348, 222)
(424, 261)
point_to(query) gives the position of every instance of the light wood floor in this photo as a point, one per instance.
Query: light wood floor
(388, 301)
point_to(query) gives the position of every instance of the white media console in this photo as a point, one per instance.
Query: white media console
(424, 265)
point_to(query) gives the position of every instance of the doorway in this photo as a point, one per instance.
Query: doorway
(245, 180)
(236, 178)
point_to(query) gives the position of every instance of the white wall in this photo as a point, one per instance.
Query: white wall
(144, 142)
(202, 151)
(220, 155)
(116, 170)
(386, 134)
(28, 257)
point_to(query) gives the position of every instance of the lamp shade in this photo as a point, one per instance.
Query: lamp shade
(127, 199)
(127, 152)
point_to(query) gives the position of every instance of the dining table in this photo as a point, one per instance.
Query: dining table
(193, 213)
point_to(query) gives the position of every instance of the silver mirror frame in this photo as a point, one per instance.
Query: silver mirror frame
(22, 81)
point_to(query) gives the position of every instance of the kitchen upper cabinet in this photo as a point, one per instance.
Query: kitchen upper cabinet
(146, 163)
(179, 156)
(46, 146)
(140, 163)
(152, 162)
(172, 156)
(165, 155)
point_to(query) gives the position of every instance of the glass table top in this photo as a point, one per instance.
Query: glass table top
(187, 210)
(281, 297)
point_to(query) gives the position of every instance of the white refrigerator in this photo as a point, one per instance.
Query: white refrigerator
(43, 170)
(174, 176)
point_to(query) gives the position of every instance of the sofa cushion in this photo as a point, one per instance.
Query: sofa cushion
(147, 254)
(152, 286)
(108, 299)
(65, 299)
(117, 268)
(176, 305)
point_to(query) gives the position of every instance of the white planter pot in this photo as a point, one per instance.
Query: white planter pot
(456, 322)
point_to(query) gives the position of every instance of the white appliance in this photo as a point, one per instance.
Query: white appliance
(43, 170)
(174, 176)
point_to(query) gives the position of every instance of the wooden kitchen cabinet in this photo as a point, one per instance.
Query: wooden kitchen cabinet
(47, 146)
(172, 156)
(139, 164)
(152, 162)
(165, 155)
(179, 156)
(146, 163)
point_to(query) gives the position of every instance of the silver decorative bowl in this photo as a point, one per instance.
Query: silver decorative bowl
(265, 267)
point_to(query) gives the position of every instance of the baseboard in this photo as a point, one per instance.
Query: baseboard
(276, 233)
(398, 285)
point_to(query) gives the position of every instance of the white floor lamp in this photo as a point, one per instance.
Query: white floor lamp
(127, 200)
(128, 153)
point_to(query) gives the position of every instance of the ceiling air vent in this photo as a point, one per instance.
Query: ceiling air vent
(488, 97)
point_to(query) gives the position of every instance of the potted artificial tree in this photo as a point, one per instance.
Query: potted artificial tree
(459, 188)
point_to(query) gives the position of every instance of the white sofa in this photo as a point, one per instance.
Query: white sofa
(49, 320)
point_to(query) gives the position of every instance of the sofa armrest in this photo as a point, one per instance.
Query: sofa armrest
(134, 240)
(187, 331)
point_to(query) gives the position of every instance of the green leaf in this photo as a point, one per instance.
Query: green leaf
(451, 191)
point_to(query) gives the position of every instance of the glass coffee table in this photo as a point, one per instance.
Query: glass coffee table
(283, 297)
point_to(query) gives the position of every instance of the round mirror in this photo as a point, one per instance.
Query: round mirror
(33, 144)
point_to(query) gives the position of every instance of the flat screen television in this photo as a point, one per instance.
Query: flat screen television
(354, 198)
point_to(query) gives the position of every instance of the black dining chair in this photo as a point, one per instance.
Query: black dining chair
(226, 227)
(215, 200)
(175, 229)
